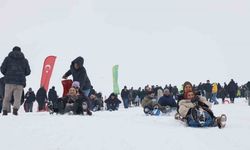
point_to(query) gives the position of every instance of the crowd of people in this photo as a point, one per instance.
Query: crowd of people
(212, 92)
(81, 97)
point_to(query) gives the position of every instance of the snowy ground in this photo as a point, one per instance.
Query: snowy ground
(123, 130)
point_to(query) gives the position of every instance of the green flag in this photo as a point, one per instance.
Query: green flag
(115, 79)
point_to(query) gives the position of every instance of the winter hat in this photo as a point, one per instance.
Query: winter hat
(16, 48)
(76, 84)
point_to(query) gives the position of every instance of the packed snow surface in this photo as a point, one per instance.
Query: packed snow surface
(124, 130)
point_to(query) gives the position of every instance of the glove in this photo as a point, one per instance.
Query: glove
(64, 77)
(195, 100)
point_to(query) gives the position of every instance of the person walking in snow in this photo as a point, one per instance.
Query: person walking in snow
(15, 68)
(125, 96)
(214, 94)
(79, 73)
(30, 99)
(53, 98)
(41, 97)
(208, 90)
(223, 94)
(232, 90)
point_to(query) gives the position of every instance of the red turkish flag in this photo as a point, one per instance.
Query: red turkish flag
(48, 66)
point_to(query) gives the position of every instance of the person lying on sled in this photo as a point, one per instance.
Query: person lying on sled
(196, 111)
(167, 101)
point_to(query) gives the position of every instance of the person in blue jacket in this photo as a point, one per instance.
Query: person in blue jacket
(167, 99)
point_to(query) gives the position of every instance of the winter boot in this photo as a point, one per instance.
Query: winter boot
(221, 121)
(177, 116)
(89, 112)
(147, 110)
(5, 112)
(15, 111)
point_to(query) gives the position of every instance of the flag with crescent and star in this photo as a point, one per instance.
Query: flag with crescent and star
(48, 66)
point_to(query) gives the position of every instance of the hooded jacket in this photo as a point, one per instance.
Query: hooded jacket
(15, 68)
(80, 74)
(111, 101)
(52, 96)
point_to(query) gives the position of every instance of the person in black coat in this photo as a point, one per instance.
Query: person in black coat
(208, 89)
(167, 99)
(200, 88)
(248, 85)
(125, 96)
(232, 90)
(41, 97)
(1, 92)
(79, 74)
(15, 68)
(175, 91)
(223, 94)
(30, 99)
(112, 102)
(53, 97)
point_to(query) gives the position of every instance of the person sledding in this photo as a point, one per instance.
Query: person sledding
(167, 102)
(196, 111)
(112, 103)
(96, 102)
(41, 98)
(74, 103)
(150, 105)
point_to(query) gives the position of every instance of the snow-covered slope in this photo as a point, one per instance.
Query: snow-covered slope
(124, 130)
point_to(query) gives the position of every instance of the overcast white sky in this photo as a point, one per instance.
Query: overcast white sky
(153, 41)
